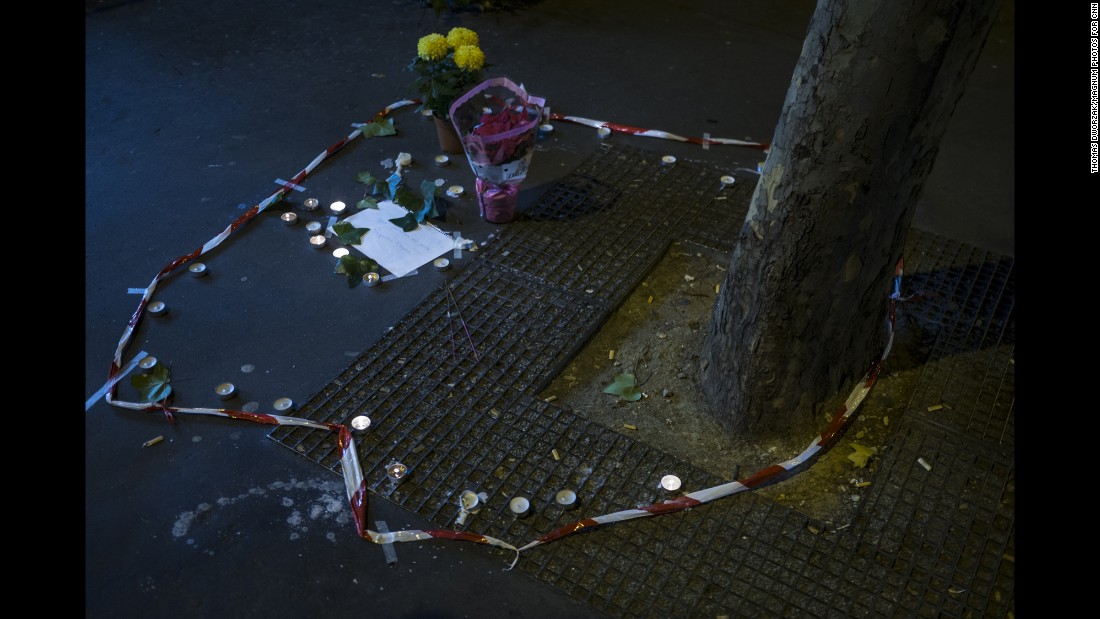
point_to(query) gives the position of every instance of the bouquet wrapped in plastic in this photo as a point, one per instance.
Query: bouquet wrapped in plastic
(498, 124)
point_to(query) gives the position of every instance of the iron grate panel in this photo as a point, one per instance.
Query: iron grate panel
(968, 382)
(460, 421)
(941, 540)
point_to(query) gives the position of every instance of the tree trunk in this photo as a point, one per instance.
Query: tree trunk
(802, 312)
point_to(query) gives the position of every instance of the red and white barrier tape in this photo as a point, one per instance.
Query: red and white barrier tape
(656, 133)
(355, 483)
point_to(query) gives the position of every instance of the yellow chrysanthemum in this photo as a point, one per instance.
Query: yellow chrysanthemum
(469, 58)
(432, 47)
(460, 36)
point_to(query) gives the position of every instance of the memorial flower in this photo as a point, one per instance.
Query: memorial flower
(445, 68)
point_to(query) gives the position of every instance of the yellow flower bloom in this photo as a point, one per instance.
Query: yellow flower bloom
(432, 47)
(460, 36)
(469, 58)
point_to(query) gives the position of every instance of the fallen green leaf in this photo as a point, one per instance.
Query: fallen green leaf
(366, 203)
(861, 454)
(624, 386)
(379, 127)
(355, 267)
(407, 198)
(407, 222)
(349, 234)
(153, 387)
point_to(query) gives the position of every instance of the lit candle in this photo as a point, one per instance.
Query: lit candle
(371, 279)
(197, 269)
(425, 114)
(670, 483)
(603, 132)
(668, 159)
(520, 507)
(338, 208)
(441, 264)
(544, 131)
(455, 191)
(289, 218)
(360, 423)
(158, 308)
(225, 391)
(442, 160)
(317, 241)
(315, 227)
(728, 180)
(396, 472)
(147, 364)
(311, 204)
(340, 252)
(566, 499)
(284, 404)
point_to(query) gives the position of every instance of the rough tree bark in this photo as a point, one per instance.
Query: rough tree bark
(801, 313)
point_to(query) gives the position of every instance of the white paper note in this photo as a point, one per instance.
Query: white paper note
(397, 251)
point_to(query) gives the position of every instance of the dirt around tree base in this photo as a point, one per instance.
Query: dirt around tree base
(657, 334)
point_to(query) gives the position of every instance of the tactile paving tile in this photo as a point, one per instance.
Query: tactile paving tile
(936, 543)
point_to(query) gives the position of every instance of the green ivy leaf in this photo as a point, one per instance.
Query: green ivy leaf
(625, 386)
(407, 222)
(349, 234)
(378, 127)
(407, 198)
(366, 203)
(355, 267)
(153, 387)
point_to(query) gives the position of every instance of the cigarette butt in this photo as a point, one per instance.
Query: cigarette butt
(550, 398)
(494, 412)
(924, 463)
(611, 354)
(935, 407)
(554, 452)
(152, 441)
(716, 289)
(863, 484)
(650, 299)
(630, 426)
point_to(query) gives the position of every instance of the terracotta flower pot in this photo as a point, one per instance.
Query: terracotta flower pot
(448, 136)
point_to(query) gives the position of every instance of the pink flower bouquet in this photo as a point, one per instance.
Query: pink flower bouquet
(498, 123)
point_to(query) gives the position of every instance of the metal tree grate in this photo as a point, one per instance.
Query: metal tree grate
(925, 543)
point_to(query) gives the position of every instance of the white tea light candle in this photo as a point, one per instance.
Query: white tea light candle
(158, 308)
(338, 208)
(360, 423)
(442, 160)
(197, 269)
(317, 241)
(340, 252)
(225, 391)
(396, 472)
(566, 499)
(284, 404)
(289, 218)
(311, 204)
(147, 364)
(315, 227)
(603, 132)
(670, 483)
(520, 507)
